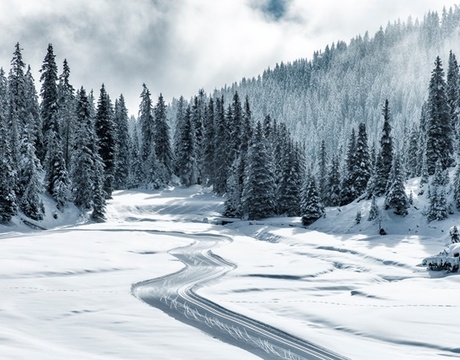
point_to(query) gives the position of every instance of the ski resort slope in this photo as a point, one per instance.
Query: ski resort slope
(66, 293)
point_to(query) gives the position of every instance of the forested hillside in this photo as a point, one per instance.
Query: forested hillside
(355, 122)
(325, 96)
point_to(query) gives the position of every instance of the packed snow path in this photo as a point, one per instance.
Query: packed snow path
(175, 294)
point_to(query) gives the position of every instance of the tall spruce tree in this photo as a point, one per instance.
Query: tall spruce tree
(66, 112)
(333, 183)
(439, 140)
(17, 104)
(147, 150)
(186, 157)
(438, 208)
(348, 191)
(106, 133)
(162, 141)
(258, 197)
(123, 158)
(362, 167)
(209, 175)
(221, 154)
(396, 197)
(453, 97)
(311, 206)
(8, 201)
(30, 184)
(87, 166)
(385, 157)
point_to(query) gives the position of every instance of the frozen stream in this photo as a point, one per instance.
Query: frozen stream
(176, 295)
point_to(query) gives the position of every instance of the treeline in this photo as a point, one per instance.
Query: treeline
(80, 152)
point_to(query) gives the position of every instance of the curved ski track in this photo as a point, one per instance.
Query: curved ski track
(175, 294)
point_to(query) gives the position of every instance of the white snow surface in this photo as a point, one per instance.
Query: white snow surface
(66, 292)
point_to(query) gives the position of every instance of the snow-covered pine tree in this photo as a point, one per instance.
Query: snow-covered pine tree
(258, 198)
(373, 210)
(333, 183)
(453, 97)
(438, 208)
(135, 168)
(186, 157)
(99, 195)
(32, 112)
(348, 188)
(385, 157)
(85, 156)
(180, 116)
(311, 207)
(290, 181)
(439, 135)
(17, 104)
(147, 150)
(412, 165)
(162, 141)
(106, 133)
(396, 197)
(49, 103)
(209, 145)
(221, 154)
(66, 113)
(362, 167)
(322, 171)
(123, 158)
(8, 204)
(30, 184)
(456, 185)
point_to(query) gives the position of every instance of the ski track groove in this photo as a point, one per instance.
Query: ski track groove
(176, 295)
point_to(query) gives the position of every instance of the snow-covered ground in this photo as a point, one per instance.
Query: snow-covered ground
(66, 292)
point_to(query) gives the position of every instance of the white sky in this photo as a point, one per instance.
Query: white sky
(179, 46)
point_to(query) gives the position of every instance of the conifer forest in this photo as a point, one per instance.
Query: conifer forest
(302, 136)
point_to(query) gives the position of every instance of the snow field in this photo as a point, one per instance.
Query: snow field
(65, 293)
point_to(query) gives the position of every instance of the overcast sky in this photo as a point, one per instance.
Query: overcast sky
(179, 46)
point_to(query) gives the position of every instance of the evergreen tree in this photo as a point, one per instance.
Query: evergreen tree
(162, 141)
(258, 198)
(106, 133)
(333, 184)
(8, 204)
(322, 174)
(135, 169)
(412, 159)
(456, 186)
(66, 113)
(362, 166)
(374, 210)
(99, 195)
(290, 183)
(311, 207)
(123, 157)
(17, 104)
(348, 191)
(49, 104)
(180, 116)
(86, 162)
(453, 95)
(221, 154)
(29, 180)
(438, 207)
(186, 156)
(32, 113)
(210, 145)
(385, 156)
(439, 140)
(147, 150)
(396, 197)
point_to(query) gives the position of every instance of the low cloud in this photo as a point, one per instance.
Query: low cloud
(177, 47)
